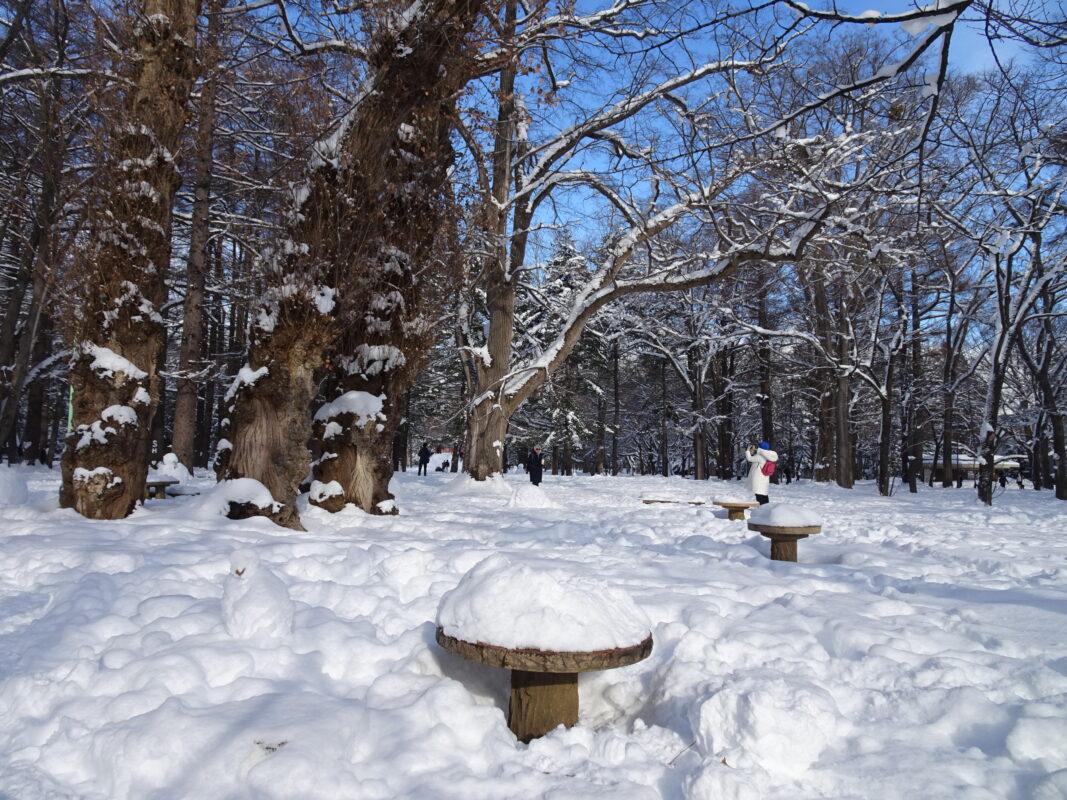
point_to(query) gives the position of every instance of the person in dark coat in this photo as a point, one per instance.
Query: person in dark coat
(424, 458)
(535, 465)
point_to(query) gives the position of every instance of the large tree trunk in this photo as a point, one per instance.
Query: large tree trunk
(1059, 447)
(601, 420)
(115, 374)
(843, 430)
(190, 365)
(491, 410)
(615, 408)
(485, 440)
(665, 467)
(35, 428)
(700, 443)
(269, 421)
(763, 356)
(886, 432)
(36, 262)
(370, 216)
(824, 448)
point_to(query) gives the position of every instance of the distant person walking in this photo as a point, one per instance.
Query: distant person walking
(424, 459)
(763, 461)
(535, 465)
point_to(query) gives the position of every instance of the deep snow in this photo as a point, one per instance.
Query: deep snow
(917, 650)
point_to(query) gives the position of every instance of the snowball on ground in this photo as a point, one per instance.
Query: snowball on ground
(785, 515)
(514, 605)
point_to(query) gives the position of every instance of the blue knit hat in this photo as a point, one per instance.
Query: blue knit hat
(764, 445)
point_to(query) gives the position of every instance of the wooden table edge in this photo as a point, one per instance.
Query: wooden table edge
(534, 660)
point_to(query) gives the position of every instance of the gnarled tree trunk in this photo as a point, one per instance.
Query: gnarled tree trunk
(360, 252)
(115, 374)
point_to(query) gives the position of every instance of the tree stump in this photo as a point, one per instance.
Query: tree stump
(735, 510)
(544, 683)
(784, 538)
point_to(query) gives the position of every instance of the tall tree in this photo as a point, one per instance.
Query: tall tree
(350, 274)
(119, 347)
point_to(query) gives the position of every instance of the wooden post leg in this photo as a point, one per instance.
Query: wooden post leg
(736, 514)
(540, 701)
(783, 549)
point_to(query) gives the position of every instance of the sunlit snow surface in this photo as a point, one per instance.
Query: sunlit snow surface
(917, 650)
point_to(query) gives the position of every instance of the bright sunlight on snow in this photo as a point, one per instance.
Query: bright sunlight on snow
(917, 650)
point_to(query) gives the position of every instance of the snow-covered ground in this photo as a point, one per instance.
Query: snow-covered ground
(918, 650)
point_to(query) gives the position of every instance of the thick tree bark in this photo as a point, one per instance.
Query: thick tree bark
(599, 459)
(616, 401)
(36, 262)
(371, 213)
(664, 465)
(115, 372)
(886, 431)
(763, 356)
(190, 364)
(34, 430)
(843, 429)
(700, 442)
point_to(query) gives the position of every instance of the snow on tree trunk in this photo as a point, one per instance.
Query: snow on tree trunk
(361, 254)
(486, 428)
(266, 433)
(115, 371)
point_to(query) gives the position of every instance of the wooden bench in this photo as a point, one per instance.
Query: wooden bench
(544, 683)
(679, 502)
(784, 538)
(157, 489)
(735, 509)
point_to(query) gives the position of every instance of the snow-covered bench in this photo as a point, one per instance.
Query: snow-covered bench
(544, 683)
(735, 509)
(578, 624)
(784, 525)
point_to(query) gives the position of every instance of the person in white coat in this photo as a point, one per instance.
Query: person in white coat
(758, 479)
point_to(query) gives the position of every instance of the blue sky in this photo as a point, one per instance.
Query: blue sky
(970, 49)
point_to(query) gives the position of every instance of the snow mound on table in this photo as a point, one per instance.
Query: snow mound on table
(530, 496)
(170, 468)
(13, 491)
(785, 515)
(513, 605)
(732, 497)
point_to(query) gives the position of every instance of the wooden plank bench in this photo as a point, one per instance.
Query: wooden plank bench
(157, 489)
(544, 683)
(679, 502)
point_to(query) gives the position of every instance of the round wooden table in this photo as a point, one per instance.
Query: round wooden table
(544, 683)
(784, 538)
(735, 509)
